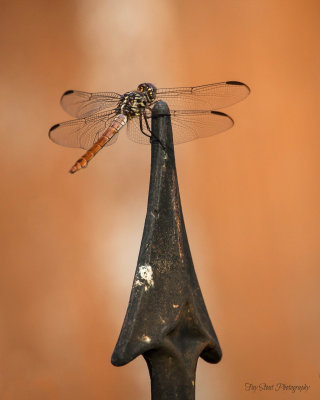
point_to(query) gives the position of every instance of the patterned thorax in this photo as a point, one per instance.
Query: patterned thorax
(133, 104)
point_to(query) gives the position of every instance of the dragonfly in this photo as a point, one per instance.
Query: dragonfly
(100, 116)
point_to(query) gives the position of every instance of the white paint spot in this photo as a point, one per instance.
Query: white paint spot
(146, 338)
(137, 283)
(175, 305)
(146, 275)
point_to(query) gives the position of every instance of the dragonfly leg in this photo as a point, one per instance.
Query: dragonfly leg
(152, 136)
(141, 127)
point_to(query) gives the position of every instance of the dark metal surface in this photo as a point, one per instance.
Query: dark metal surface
(166, 321)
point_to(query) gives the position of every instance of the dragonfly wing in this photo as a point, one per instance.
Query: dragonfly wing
(213, 96)
(82, 132)
(113, 139)
(187, 125)
(82, 104)
(134, 130)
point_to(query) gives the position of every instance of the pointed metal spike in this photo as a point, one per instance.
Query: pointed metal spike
(167, 321)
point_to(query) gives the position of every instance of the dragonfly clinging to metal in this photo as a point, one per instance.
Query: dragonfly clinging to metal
(100, 116)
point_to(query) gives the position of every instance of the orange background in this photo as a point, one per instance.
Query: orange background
(250, 196)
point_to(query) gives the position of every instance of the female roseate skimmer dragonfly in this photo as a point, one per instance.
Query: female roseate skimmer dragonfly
(102, 115)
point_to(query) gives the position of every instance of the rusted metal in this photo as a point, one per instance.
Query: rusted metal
(166, 321)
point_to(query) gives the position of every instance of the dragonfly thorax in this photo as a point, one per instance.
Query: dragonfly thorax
(133, 104)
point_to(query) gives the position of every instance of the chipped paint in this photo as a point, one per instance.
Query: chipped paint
(137, 283)
(146, 338)
(146, 276)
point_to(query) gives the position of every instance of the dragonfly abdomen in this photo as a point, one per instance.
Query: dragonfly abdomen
(118, 122)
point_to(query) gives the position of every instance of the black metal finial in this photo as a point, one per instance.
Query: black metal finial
(166, 321)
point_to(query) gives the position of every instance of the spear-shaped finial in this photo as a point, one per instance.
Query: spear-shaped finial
(166, 321)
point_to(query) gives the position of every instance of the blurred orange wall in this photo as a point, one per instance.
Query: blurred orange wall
(250, 196)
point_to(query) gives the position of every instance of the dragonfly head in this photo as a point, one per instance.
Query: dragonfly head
(149, 89)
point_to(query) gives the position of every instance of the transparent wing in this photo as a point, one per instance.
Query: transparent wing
(82, 104)
(195, 124)
(213, 96)
(82, 132)
(134, 130)
(187, 125)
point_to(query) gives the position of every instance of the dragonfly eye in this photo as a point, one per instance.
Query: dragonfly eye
(152, 90)
(152, 93)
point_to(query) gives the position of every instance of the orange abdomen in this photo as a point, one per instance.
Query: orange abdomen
(119, 121)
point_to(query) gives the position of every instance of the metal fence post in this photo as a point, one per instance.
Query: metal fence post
(166, 320)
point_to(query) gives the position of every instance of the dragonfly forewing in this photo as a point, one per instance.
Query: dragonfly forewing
(213, 96)
(82, 104)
